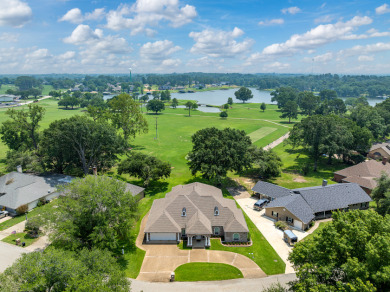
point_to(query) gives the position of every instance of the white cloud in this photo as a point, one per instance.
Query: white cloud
(366, 49)
(14, 13)
(218, 43)
(275, 21)
(67, 55)
(276, 67)
(158, 50)
(145, 13)
(9, 37)
(324, 19)
(318, 36)
(75, 15)
(364, 58)
(292, 10)
(324, 58)
(382, 9)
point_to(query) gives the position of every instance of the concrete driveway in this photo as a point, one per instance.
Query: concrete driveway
(162, 259)
(266, 226)
(9, 254)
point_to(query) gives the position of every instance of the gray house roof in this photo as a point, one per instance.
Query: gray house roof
(305, 202)
(133, 189)
(270, 190)
(17, 189)
(199, 201)
(296, 205)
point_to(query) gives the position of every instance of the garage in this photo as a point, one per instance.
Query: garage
(298, 224)
(163, 236)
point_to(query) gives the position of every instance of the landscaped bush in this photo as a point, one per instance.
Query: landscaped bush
(281, 225)
(32, 227)
(41, 202)
(223, 114)
(22, 209)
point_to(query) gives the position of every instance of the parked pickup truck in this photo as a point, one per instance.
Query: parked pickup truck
(260, 204)
(3, 214)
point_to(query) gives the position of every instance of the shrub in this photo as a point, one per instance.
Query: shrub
(281, 225)
(41, 202)
(32, 227)
(22, 209)
(223, 114)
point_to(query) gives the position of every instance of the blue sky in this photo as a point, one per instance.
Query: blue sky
(164, 36)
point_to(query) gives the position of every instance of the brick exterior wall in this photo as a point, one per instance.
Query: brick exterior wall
(282, 216)
(243, 236)
(338, 178)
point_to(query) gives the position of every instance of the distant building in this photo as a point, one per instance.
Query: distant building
(165, 87)
(379, 151)
(7, 97)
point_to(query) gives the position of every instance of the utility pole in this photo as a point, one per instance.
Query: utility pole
(156, 130)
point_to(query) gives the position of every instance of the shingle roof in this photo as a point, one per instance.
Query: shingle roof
(305, 202)
(334, 197)
(364, 173)
(22, 188)
(133, 189)
(296, 205)
(270, 190)
(199, 200)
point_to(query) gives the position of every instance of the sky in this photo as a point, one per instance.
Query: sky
(166, 36)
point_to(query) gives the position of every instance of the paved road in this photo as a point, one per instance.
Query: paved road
(9, 254)
(31, 101)
(236, 285)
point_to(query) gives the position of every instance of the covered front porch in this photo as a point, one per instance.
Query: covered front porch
(198, 240)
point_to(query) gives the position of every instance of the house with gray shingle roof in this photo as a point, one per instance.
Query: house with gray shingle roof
(17, 189)
(298, 207)
(195, 212)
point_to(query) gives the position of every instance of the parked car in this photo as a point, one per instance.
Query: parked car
(3, 214)
(260, 204)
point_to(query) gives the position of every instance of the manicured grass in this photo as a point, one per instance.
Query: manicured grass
(293, 162)
(206, 272)
(24, 237)
(261, 252)
(261, 133)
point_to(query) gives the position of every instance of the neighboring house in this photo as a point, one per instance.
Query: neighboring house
(135, 190)
(379, 151)
(195, 212)
(165, 87)
(17, 189)
(299, 207)
(363, 174)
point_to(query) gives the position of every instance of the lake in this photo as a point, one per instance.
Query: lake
(220, 97)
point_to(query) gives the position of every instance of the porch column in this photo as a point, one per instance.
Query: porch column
(147, 237)
(189, 242)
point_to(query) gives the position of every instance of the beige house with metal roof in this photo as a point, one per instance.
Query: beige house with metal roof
(195, 212)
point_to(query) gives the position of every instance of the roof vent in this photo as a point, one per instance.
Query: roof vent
(324, 183)
(19, 169)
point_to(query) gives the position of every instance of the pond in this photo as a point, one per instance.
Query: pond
(205, 109)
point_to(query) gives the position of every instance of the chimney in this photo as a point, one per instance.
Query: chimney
(94, 169)
(324, 183)
(384, 160)
(19, 169)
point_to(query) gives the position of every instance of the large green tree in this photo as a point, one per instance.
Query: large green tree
(59, 270)
(96, 212)
(21, 132)
(328, 94)
(351, 253)
(215, 152)
(367, 116)
(381, 194)
(244, 94)
(308, 102)
(191, 105)
(289, 110)
(145, 167)
(79, 142)
(26, 82)
(155, 105)
(284, 94)
(127, 116)
(268, 162)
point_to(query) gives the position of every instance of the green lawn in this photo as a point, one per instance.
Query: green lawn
(206, 272)
(261, 252)
(261, 133)
(24, 237)
(35, 212)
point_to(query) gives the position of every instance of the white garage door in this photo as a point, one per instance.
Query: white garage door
(162, 236)
(298, 224)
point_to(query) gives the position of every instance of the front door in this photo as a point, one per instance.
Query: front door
(199, 237)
